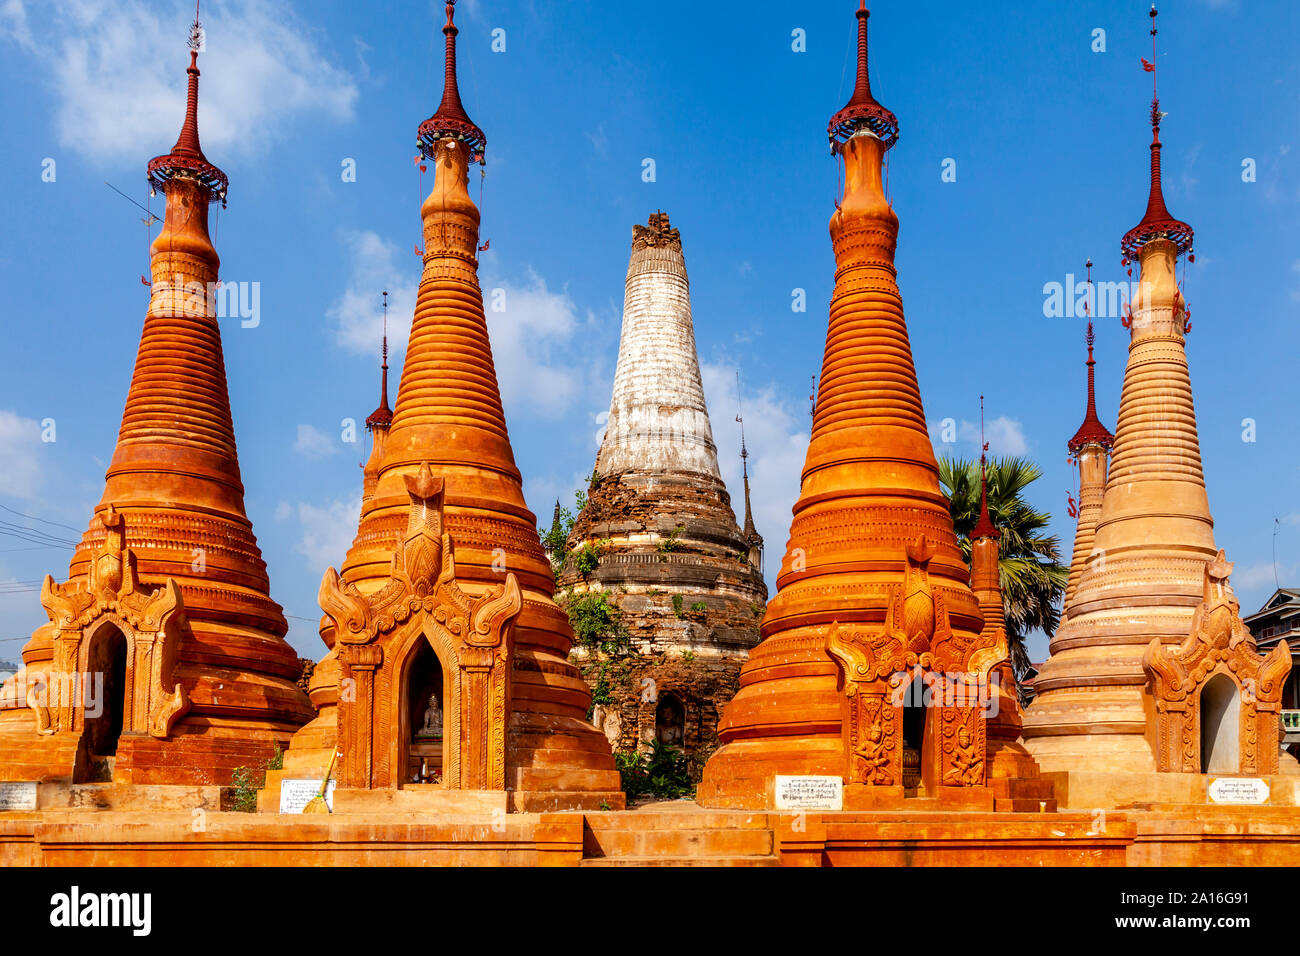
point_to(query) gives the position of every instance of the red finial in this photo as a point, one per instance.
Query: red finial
(1158, 222)
(862, 112)
(382, 416)
(450, 119)
(186, 158)
(984, 527)
(1092, 431)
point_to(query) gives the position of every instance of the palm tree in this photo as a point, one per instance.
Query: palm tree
(1030, 571)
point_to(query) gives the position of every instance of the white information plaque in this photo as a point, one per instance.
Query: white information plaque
(809, 793)
(17, 795)
(296, 794)
(1248, 790)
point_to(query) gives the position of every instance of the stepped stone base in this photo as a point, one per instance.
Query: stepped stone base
(60, 795)
(1084, 790)
(673, 834)
(194, 760)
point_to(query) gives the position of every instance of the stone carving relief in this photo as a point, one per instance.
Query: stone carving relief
(152, 622)
(378, 633)
(876, 667)
(1219, 643)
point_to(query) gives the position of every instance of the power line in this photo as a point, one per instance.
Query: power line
(41, 520)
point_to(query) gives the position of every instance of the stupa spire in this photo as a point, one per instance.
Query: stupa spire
(450, 119)
(862, 113)
(1092, 431)
(447, 526)
(382, 417)
(1090, 450)
(748, 528)
(1157, 222)
(1141, 576)
(186, 158)
(872, 554)
(658, 420)
(984, 527)
(173, 499)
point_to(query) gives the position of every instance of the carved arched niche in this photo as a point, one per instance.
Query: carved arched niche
(150, 622)
(378, 636)
(1219, 647)
(915, 648)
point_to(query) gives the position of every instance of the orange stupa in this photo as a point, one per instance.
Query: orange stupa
(447, 576)
(872, 552)
(165, 619)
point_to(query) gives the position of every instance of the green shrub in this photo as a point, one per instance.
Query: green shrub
(244, 790)
(664, 772)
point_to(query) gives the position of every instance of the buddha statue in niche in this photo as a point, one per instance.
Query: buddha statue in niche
(432, 725)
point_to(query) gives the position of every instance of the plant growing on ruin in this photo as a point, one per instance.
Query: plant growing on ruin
(277, 759)
(587, 558)
(670, 543)
(677, 604)
(244, 786)
(688, 656)
(663, 772)
(699, 607)
(598, 627)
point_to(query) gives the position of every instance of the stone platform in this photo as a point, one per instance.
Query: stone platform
(1087, 790)
(679, 833)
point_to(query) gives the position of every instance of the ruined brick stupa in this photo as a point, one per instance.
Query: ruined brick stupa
(671, 554)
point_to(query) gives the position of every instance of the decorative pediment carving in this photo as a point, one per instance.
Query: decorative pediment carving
(152, 621)
(916, 641)
(422, 578)
(1219, 642)
(423, 600)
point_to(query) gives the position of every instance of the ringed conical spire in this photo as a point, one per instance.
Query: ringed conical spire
(1090, 449)
(873, 576)
(221, 689)
(1142, 576)
(447, 535)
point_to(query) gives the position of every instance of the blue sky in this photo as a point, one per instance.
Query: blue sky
(1048, 136)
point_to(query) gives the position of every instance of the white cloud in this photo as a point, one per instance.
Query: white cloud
(539, 345)
(776, 433)
(20, 446)
(1005, 436)
(314, 444)
(118, 73)
(13, 22)
(327, 531)
(358, 314)
(536, 347)
(1262, 577)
